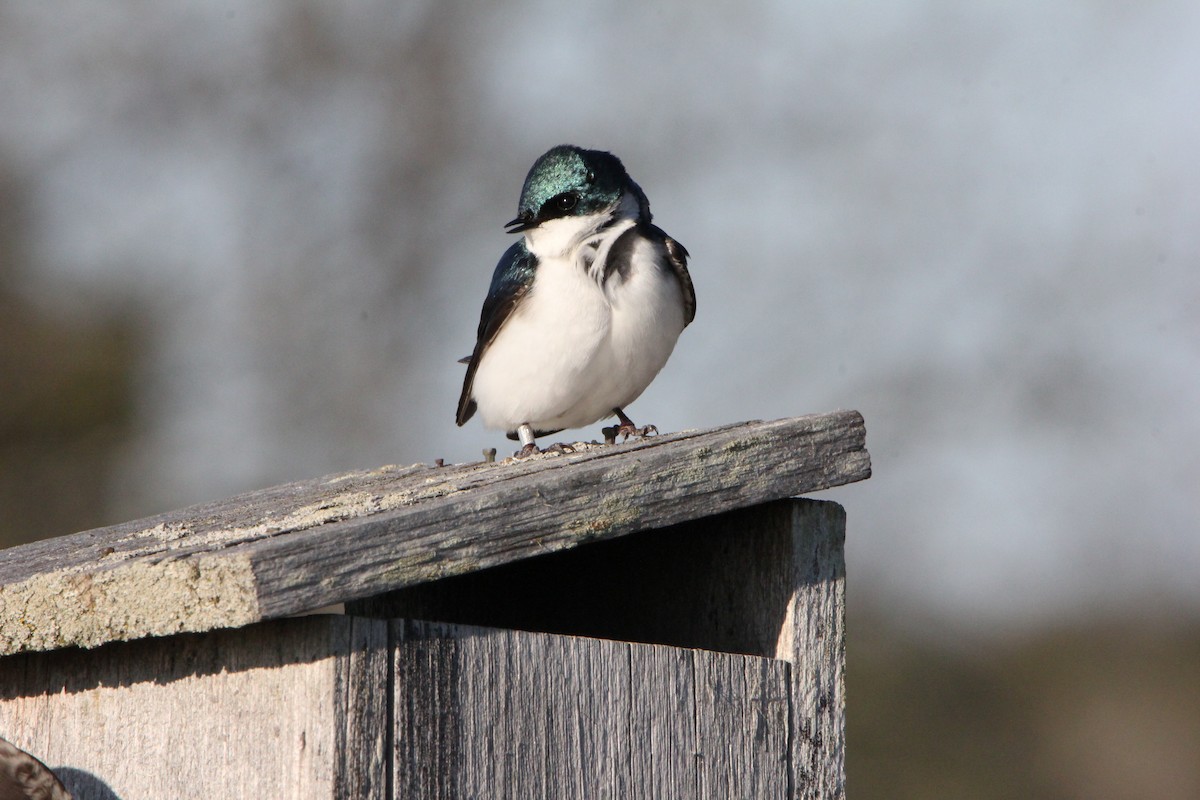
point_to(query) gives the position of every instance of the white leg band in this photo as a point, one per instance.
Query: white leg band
(525, 434)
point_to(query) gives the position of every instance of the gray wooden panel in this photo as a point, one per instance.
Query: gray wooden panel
(814, 640)
(484, 713)
(281, 709)
(294, 548)
(666, 747)
(742, 710)
(768, 581)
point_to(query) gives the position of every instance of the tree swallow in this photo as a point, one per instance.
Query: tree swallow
(583, 311)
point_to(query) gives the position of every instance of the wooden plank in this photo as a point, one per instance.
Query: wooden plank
(488, 713)
(813, 638)
(362, 706)
(665, 743)
(493, 713)
(294, 548)
(742, 716)
(279, 709)
(767, 580)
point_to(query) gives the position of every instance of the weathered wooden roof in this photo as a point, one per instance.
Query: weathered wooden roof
(300, 546)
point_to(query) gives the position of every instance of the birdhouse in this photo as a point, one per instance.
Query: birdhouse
(659, 618)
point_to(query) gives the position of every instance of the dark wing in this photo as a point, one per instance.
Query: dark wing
(677, 256)
(510, 283)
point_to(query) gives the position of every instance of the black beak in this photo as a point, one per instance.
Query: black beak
(521, 223)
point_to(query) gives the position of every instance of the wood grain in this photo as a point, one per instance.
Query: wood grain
(767, 581)
(292, 708)
(293, 548)
(493, 713)
(813, 638)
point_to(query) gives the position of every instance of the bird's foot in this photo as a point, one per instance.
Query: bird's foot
(625, 428)
(625, 431)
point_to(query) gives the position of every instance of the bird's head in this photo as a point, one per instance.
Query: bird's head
(568, 181)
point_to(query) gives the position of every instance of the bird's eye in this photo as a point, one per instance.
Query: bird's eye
(565, 201)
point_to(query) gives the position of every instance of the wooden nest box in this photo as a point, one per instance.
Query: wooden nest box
(651, 619)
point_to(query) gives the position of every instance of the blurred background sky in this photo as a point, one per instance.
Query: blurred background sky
(242, 244)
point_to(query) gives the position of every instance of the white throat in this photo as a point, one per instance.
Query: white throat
(562, 237)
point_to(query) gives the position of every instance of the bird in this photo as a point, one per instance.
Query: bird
(583, 310)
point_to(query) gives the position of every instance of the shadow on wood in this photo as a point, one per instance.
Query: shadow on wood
(723, 583)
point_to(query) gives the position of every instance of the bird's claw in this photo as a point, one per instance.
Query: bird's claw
(625, 431)
(646, 431)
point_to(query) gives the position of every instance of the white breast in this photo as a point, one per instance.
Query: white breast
(646, 320)
(573, 351)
